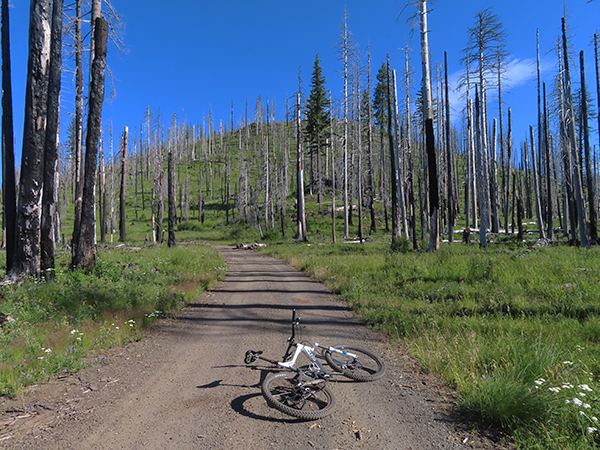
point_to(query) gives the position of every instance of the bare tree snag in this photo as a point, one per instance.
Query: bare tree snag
(27, 241)
(434, 199)
(9, 191)
(84, 243)
(122, 233)
(51, 143)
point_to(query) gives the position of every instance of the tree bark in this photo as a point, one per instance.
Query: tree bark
(84, 245)
(393, 161)
(549, 215)
(536, 182)
(78, 116)
(172, 207)
(346, 50)
(398, 135)
(593, 231)
(571, 142)
(27, 242)
(331, 137)
(122, 233)
(434, 200)
(448, 156)
(9, 192)
(302, 235)
(51, 143)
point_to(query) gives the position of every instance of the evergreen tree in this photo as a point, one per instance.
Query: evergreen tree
(317, 117)
(380, 98)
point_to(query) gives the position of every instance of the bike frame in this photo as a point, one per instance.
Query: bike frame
(290, 358)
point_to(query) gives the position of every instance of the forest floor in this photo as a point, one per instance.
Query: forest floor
(185, 385)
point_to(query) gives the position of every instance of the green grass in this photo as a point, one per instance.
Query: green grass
(64, 325)
(516, 333)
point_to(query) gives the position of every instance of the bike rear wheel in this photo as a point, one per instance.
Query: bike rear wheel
(307, 400)
(365, 367)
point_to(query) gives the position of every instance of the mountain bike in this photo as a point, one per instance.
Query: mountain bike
(303, 392)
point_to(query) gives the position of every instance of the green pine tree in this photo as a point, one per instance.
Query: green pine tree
(317, 118)
(380, 98)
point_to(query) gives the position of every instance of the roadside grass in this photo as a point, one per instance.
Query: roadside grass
(515, 332)
(61, 326)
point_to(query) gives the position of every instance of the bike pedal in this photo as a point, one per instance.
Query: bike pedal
(252, 356)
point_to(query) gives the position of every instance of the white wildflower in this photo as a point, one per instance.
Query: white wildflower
(568, 362)
(567, 386)
(582, 394)
(585, 387)
(591, 430)
(554, 389)
(575, 402)
(539, 381)
(74, 331)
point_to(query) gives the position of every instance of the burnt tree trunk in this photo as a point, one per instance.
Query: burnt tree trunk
(84, 245)
(9, 191)
(27, 241)
(172, 207)
(51, 143)
(448, 156)
(593, 231)
(78, 116)
(122, 234)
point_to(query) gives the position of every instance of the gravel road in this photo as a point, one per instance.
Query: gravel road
(186, 386)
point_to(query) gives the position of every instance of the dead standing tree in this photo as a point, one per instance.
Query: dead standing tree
(84, 244)
(122, 233)
(434, 199)
(571, 143)
(302, 234)
(51, 144)
(27, 240)
(8, 153)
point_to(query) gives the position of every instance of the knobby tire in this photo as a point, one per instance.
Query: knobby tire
(307, 401)
(366, 367)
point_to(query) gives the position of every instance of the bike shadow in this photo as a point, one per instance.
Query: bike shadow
(239, 405)
(245, 405)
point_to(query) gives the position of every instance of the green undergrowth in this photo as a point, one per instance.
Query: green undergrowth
(515, 332)
(61, 326)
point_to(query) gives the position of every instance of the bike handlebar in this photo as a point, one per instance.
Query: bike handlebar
(292, 338)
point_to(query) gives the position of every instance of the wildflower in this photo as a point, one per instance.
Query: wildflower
(582, 394)
(585, 387)
(539, 381)
(567, 386)
(575, 402)
(74, 331)
(591, 430)
(554, 389)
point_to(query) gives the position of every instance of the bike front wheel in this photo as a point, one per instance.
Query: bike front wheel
(364, 367)
(307, 400)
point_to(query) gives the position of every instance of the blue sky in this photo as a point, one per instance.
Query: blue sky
(189, 57)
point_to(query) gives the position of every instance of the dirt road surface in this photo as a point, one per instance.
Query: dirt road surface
(186, 385)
